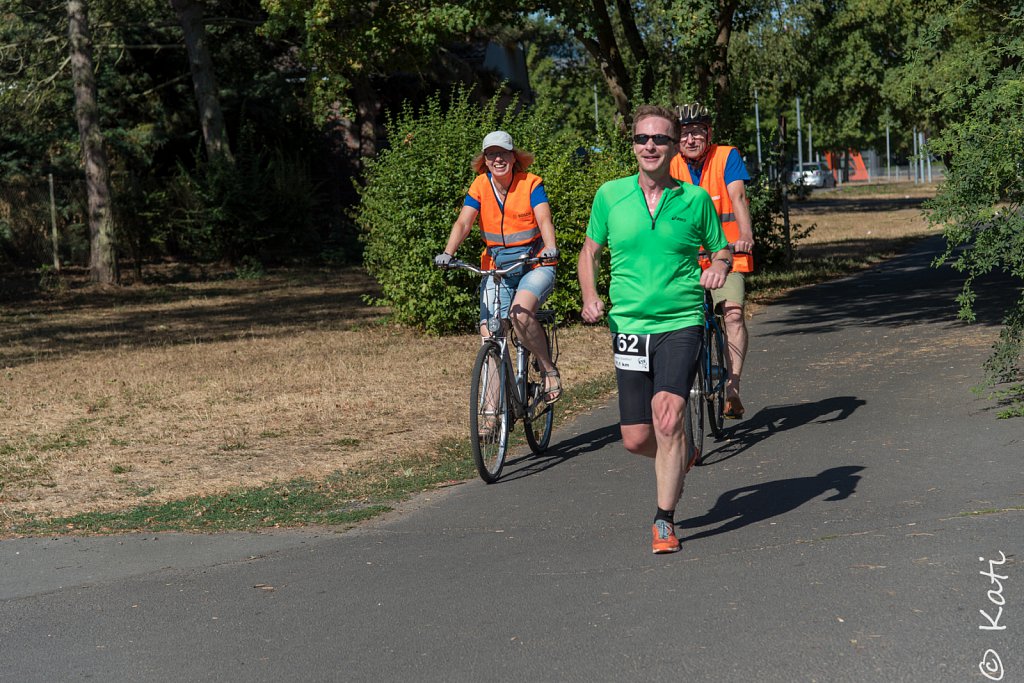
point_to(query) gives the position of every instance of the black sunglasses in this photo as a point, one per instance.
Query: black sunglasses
(659, 139)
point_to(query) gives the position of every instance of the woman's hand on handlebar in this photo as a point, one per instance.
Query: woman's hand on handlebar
(443, 260)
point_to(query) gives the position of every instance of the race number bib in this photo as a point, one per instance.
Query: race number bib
(632, 351)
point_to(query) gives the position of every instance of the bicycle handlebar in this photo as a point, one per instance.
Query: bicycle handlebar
(521, 262)
(731, 247)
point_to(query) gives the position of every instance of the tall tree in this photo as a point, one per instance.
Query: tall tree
(102, 251)
(609, 33)
(211, 119)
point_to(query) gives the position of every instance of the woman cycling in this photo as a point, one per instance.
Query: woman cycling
(515, 218)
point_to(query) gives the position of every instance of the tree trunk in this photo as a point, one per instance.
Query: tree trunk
(102, 256)
(211, 119)
(713, 76)
(637, 46)
(604, 48)
(720, 56)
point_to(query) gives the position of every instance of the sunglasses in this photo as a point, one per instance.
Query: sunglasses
(494, 155)
(659, 139)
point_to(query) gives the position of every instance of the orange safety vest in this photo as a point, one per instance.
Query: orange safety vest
(508, 224)
(712, 179)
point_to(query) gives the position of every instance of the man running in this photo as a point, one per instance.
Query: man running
(654, 226)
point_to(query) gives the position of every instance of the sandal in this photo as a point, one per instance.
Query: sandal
(552, 394)
(733, 408)
(489, 426)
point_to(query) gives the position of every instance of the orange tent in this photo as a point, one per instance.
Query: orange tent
(855, 168)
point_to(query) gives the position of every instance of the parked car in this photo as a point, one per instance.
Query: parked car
(815, 174)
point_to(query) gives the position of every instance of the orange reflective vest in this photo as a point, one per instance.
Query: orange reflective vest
(712, 179)
(508, 224)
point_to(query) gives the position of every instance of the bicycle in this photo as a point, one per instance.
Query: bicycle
(500, 395)
(708, 390)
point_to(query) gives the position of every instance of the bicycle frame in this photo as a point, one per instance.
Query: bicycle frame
(714, 376)
(500, 396)
(501, 330)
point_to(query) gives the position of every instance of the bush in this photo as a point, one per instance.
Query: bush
(981, 208)
(772, 250)
(415, 188)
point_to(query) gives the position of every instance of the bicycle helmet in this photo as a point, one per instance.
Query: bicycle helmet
(693, 113)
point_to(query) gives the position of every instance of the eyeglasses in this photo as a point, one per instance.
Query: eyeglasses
(659, 139)
(698, 134)
(491, 156)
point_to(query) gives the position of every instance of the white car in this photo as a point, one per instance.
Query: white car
(815, 174)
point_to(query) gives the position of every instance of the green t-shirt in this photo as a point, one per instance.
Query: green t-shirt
(655, 275)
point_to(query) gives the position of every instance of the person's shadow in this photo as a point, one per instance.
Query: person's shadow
(772, 419)
(757, 502)
(558, 453)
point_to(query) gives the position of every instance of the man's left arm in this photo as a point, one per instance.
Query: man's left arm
(737, 190)
(713, 277)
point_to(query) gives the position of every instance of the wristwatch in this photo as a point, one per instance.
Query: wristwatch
(727, 261)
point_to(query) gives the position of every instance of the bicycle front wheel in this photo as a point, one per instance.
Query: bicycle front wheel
(539, 417)
(489, 412)
(693, 422)
(715, 381)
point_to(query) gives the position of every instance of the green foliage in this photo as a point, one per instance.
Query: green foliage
(263, 206)
(415, 189)
(773, 247)
(980, 204)
(346, 43)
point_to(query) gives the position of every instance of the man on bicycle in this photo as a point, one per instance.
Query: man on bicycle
(654, 226)
(720, 170)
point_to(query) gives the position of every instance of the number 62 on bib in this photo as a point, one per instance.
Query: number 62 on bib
(632, 351)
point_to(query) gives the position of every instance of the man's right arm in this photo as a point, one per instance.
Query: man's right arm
(587, 269)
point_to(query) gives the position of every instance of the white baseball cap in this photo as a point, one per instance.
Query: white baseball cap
(499, 138)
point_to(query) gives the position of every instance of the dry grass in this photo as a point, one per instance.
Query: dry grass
(155, 392)
(847, 225)
(166, 391)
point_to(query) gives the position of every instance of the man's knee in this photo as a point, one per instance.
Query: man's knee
(668, 412)
(731, 309)
(639, 439)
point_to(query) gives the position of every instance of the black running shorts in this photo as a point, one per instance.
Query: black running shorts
(673, 365)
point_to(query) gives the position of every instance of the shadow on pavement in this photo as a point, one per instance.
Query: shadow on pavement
(558, 453)
(772, 419)
(902, 291)
(757, 502)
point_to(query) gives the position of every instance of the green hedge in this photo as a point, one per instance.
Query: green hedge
(415, 188)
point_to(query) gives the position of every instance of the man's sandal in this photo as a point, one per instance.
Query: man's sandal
(733, 408)
(552, 394)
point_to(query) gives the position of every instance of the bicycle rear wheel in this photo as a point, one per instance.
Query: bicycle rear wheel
(693, 421)
(489, 412)
(539, 417)
(715, 380)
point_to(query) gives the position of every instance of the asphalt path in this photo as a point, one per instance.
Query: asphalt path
(837, 535)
